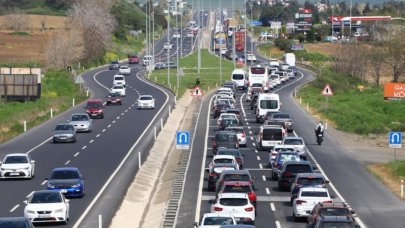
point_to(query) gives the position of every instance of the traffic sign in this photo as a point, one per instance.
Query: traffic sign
(395, 140)
(327, 91)
(197, 92)
(183, 140)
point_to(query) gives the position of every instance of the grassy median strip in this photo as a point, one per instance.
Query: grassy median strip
(58, 91)
(209, 73)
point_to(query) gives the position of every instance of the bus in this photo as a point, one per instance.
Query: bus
(220, 41)
(259, 74)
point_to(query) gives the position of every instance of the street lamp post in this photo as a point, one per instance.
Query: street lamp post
(251, 27)
(168, 46)
(220, 50)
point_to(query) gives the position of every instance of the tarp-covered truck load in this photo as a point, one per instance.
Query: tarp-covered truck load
(20, 84)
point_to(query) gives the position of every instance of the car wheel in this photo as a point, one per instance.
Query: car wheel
(294, 218)
(74, 139)
(102, 116)
(273, 176)
(54, 141)
(120, 103)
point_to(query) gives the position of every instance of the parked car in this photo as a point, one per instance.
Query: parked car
(227, 139)
(289, 171)
(306, 199)
(118, 89)
(304, 180)
(64, 132)
(146, 101)
(115, 65)
(47, 206)
(134, 59)
(215, 171)
(17, 165)
(233, 152)
(236, 203)
(279, 160)
(15, 222)
(114, 98)
(82, 122)
(124, 70)
(95, 108)
(211, 220)
(67, 180)
(328, 209)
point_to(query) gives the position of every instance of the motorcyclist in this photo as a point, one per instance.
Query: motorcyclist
(319, 129)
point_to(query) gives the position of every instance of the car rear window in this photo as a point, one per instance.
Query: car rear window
(336, 225)
(228, 152)
(269, 104)
(281, 116)
(218, 221)
(236, 177)
(223, 160)
(119, 78)
(233, 201)
(238, 76)
(273, 134)
(225, 137)
(314, 194)
(310, 181)
(334, 211)
(237, 112)
(237, 188)
(298, 168)
(145, 98)
(293, 142)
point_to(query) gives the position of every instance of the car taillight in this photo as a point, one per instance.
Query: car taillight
(328, 201)
(300, 201)
(238, 160)
(213, 174)
(218, 209)
(274, 153)
(261, 136)
(252, 196)
(287, 174)
(249, 209)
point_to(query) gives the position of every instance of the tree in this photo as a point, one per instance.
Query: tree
(396, 54)
(17, 22)
(64, 48)
(310, 36)
(376, 58)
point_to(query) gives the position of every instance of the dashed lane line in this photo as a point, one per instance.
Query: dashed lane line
(260, 166)
(91, 141)
(76, 154)
(84, 147)
(97, 135)
(273, 208)
(278, 225)
(44, 182)
(258, 158)
(264, 178)
(14, 208)
(105, 129)
(267, 191)
(29, 195)
(67, 162)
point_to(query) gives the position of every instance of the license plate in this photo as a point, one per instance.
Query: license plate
(63, 190)
(94, 114)
(44, 216)
(14, 174)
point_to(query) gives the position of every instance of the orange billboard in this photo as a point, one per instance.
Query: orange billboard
(394, 91)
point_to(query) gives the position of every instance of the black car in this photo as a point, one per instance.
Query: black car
(289, 170)
(303, 180)
(220, 108)
(226, 139)
(234, 175)
(215, 171)
(115, 65)
(114, 98)
(17, 222)
(253, 101)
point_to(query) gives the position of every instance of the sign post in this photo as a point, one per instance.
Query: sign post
(327, 92)
(395, 141)
(183, 140)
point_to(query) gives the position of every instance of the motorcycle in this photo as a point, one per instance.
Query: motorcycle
(319, 138)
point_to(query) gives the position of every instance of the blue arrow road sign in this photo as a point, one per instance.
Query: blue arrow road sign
(183, 140)
(395, 139)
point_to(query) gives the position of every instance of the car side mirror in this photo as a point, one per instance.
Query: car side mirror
(32, 162)
(25, 201)
(46, 178)
(308, 212)
(207, 170)
(67, 201)
(353, 212)
(327, 181)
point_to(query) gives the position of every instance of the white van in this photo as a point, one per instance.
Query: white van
(239, 76)
(147, 60)
(266, 102)
(269, 136)
(274, 63)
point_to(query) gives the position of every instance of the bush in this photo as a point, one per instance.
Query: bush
(109, 57)
(283, 44)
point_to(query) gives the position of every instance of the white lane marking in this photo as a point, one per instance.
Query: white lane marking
(251, 138)
(29, 195)
(113, 121)
(247, 123)
(256, 151)
(129, 107)
(258, 158)
(94, 78)
(267, 191)
(273, 208)
(264, 178)
(261, 166)
(67, 162)
(250, 132)
(91, 141)
(122, 113)
(278, 225)
(126, 110)
(249, 127)
(118, 117)
(77, 153)
(84, 147)
(254, 144)
(241, 105)
(14, 208)
(42, 143)
(96, 198)
(97, 135)
(133, 105)
(105, 129)
(44, 182)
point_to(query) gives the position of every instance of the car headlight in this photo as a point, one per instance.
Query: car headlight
(76, 185)
(27, 168)
(30, 212)
(59, 210)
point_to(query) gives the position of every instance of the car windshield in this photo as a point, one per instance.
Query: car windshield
(63, 127)
(65, 175)
(145, 98)
(80, 118)
(233, 201)
(236, 177)
(238, 76)
(229, 122)
(310, 181)
(293, 142)
(334, 211)
(211, 221)
(273, 134)
(269, 104)
(237, 188)
(223, 160)
(225, 137)
(114, 95)
(16, 160)
(314, 194)
(119, 78)
(336, 225)
(289, 157)
(46, 197)
(298, 168)
(94, 105)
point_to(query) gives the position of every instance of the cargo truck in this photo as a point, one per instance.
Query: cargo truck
(240, 41)
(20, 84)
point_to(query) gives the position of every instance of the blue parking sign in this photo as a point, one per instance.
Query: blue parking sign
(183, 140)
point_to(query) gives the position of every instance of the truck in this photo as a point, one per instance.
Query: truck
(289, 58)
(20, 84)
(219, 41)
(231, 25)
(240, 41)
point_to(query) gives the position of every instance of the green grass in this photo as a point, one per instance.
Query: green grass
(20, 33)
(209, 74)
(396, 168)
(312, 57)
(58, 90)
(351, 110)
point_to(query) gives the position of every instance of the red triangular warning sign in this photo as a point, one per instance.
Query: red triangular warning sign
(197, 92)
(327, 91)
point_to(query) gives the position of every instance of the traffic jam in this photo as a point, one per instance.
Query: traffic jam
(258, 170)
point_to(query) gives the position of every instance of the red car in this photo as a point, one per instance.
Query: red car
(133, 59)
(114, 98)
(94, 108)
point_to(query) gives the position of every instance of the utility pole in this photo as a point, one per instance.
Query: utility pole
(177, 47)
(351, 6)
(153, 35)
(220, 50)
(251, 27)
(168, 47)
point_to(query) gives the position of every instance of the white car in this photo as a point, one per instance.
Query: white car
(119, 80)
(223, 159)
(190, 34)
(236, 203)
(47, 206)
(118, 89)
(176, 35)
(168, 46)
(297, 142)
(146, 101)
(251, 57)
(307, 198)
(124, 70)
(215, 220)
(227, 115)
(17, 165)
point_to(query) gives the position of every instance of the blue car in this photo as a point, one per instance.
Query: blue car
(68, 180)
(281, 157)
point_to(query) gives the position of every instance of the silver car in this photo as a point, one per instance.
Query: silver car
(82, 122)
(64, 132)
(298, 143)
